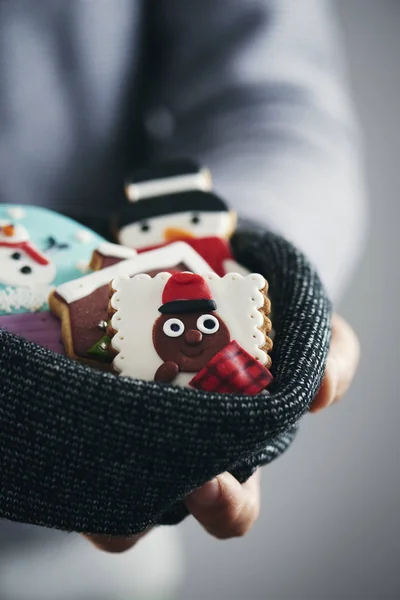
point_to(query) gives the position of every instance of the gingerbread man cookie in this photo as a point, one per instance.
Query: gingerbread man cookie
(82, 304)
(207, 332)
(189, 331)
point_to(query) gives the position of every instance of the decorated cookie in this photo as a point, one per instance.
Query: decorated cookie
(107, 255)
(39, 249)
(22, 263)
(175, 202)
(203, 331)
(82, 304)
(150, 222)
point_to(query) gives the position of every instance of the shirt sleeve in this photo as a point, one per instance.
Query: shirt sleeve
(256, 91)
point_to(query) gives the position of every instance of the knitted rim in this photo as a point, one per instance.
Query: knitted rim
(88, 451)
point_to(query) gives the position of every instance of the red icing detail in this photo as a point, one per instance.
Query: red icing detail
(214, 250)
(233, 371)
(30, 249)
(185, 286)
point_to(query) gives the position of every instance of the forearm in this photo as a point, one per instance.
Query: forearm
(311, 194)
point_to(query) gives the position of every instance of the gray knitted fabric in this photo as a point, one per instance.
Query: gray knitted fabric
(89, 451)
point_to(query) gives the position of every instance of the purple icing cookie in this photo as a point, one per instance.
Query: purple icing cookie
(42, 328)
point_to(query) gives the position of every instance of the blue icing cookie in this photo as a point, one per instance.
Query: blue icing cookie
(39, 250)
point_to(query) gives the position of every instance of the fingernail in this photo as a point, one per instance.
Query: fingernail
(207, 495)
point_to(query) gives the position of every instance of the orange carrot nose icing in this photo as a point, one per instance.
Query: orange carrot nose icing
(175, 234)
(8, 230)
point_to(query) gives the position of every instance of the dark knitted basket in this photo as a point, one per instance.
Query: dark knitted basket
(88, 451)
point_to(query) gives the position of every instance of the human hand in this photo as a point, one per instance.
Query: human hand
(223, 506)
(342, 363)
(235, 507)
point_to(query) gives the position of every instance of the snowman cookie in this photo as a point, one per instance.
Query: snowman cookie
(22, 264)
(82, 304)
(174, 202)
(202, 331)
(39, 249)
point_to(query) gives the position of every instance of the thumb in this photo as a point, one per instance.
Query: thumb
(226, 508)
(342, 363)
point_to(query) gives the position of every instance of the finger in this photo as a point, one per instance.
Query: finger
(113, 544)
(224, 507)
(343, 359)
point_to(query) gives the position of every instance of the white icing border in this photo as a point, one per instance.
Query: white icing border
(164, 258)
(136, 356)
(116, 250)
(231, 266)
(241, 298)
(136, 302)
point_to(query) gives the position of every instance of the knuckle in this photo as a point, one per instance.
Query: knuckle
(240, 529)
(239, 519)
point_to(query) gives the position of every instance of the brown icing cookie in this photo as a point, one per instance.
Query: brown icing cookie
(190, 339)
(82, 304)
(166, 372)
(171, 327)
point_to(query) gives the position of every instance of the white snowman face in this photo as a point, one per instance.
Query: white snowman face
(17, 268)
(178, 226)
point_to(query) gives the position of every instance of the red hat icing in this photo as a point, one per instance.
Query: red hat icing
(186, 286)
(186, 292)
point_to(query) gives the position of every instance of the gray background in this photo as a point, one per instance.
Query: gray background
(330, 521)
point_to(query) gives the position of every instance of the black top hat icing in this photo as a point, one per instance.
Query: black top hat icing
(194, 201)
(163, 170)
(166, 188)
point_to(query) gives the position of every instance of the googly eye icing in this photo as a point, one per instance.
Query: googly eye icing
(173, 328)
(207, 324)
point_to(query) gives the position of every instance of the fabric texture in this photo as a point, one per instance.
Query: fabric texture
(89, 451)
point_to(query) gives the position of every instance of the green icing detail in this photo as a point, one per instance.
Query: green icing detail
(99, 352)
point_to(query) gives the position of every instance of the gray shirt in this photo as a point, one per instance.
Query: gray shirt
(89, 88)
(252, 88)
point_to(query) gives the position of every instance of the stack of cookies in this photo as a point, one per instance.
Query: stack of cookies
(168, 303)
